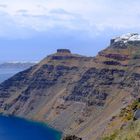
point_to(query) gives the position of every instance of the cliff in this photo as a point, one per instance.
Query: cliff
(76, 94)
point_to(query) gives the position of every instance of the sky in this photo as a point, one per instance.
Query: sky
(33, 29)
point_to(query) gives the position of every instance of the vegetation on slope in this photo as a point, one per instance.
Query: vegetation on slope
(131, 132)
(131, 128)
(128, 112)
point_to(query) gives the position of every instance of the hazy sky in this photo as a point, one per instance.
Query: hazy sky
(32, 29)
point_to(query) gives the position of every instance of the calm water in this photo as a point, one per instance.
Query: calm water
(19, 129)
(12, 128)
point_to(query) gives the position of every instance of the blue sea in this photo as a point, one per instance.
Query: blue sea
(12, 128)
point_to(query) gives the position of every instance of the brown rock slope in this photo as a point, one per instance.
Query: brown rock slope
(75, 94)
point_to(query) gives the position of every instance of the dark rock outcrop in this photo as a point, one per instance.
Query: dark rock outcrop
(137, 115)
(72, 138)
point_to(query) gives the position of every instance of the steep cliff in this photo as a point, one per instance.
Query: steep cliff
(76, 94)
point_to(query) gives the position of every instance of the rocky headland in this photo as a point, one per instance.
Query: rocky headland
(75, 94)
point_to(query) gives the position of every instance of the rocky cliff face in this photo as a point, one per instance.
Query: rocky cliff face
(75, 94)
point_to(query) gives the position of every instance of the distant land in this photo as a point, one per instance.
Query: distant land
(87, 98)
(8, 69)
(18, 65)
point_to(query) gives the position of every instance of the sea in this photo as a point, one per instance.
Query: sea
(13, 128)
(6, 73)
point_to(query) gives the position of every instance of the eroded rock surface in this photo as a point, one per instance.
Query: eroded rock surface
(73, 93)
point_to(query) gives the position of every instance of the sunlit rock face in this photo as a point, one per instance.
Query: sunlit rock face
(123, 40)
(128, 37)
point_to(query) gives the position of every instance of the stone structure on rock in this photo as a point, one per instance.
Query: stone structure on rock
(64, 51)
